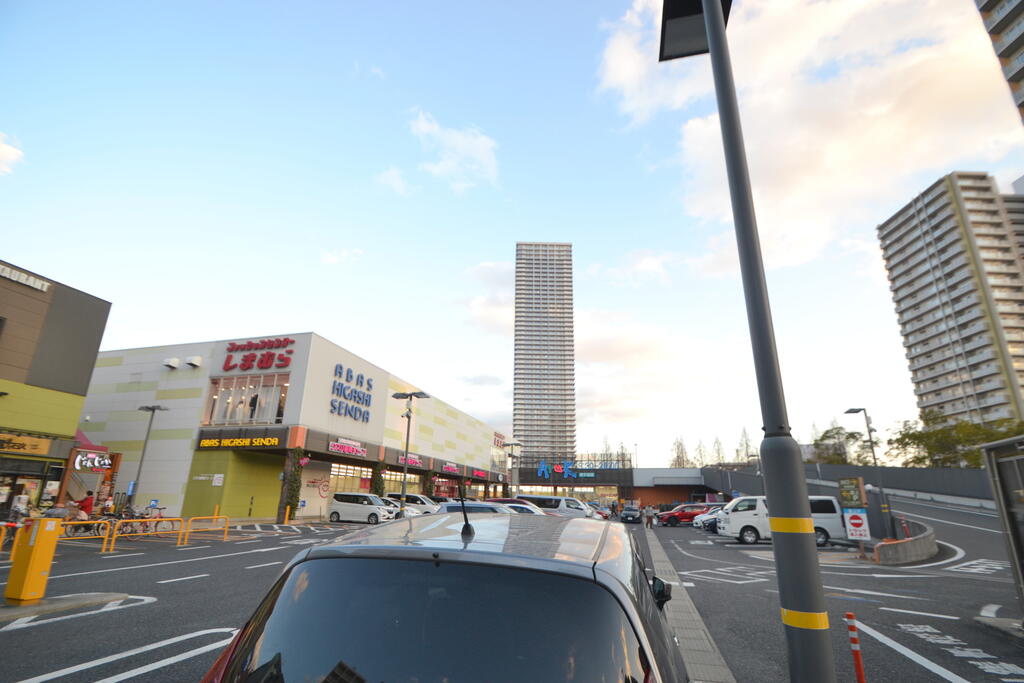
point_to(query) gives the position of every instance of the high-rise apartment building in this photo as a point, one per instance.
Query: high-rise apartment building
(544, 402)
(1004, 20)
(955, 271)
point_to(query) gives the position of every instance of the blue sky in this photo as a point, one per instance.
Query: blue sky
(364, 171)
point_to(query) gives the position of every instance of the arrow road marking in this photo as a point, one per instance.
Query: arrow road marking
(26, 622)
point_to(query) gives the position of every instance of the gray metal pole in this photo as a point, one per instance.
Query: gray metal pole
(405, 460)
(142, 459)
(796, 560)
(890, 528)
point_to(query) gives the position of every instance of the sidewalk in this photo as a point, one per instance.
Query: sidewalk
(704, 662)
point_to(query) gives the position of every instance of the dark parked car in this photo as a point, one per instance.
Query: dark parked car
(630, 514)
(407, 585)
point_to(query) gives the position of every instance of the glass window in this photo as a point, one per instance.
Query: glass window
(421, 605)
(825, 507)
(247, 399)
(746, 505)
(569, 502)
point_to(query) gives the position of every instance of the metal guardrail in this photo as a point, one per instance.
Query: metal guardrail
(189, 530)
(145, 522)
(105, 538)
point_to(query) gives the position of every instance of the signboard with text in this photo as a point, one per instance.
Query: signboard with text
(851, 492)
(857, 524)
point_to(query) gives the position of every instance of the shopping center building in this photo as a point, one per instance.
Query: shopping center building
(49, 335)
(230, 410)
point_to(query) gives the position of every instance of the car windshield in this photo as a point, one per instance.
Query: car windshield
(375, 500)
(630, 509)
(421, 606)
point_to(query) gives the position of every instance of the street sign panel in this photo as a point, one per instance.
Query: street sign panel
(857, 524)
(851, 492)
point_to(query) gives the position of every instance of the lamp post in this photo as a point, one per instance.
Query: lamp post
(694, 27)
(152, 410)
(883, 500)
(408, 396)
(510, 448)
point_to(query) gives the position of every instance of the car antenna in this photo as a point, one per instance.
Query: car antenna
(467, 528)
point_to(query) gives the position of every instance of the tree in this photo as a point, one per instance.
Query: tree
(377, 479)
(700, 456)
(291, 483)
(428, 485)
(679, 458)
(746, 448)
(718, 451)
(833, 446)
(932, 441)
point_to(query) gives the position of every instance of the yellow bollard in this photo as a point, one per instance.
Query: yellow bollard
(26, 583)
(216, 510)
(287, 513)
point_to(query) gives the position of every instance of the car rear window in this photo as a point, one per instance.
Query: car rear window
(358, 619)
(548, 503)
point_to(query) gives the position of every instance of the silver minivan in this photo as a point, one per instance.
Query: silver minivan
(359, 507)
(415, 501)
(563, 505)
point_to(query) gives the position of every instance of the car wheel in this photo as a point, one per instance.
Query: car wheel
(335, 517)
(373, 518)
(749, 535)
(672, 521)
(820, 537)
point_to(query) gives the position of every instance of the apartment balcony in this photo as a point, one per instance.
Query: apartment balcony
(1018, 96)
(1014, 69)
(985, 5)
(1002, 15)
(1011, 40)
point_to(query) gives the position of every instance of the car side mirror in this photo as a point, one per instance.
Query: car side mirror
(662, 592)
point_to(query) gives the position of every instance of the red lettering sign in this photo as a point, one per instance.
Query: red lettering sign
(264, 360)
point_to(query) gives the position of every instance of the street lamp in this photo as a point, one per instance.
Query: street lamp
(510, 448)
(694, 27)
(884, 502)
(145, 442)
(408, 396)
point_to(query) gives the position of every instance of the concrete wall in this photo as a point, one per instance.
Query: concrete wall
(919, 546)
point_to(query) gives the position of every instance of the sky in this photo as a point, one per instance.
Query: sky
(364, 170)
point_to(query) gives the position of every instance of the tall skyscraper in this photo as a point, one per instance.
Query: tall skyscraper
(544, 401)
(955, 271)
(1004, 20)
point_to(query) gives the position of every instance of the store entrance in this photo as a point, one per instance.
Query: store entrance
(38, 479)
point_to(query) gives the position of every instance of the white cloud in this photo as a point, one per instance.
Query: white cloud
(640, 267)
(849, 109)
(377, 71)
(393, 179)
(465, 157)
(341, 256)
(9, 155)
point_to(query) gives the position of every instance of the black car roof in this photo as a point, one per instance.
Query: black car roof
(566, 544)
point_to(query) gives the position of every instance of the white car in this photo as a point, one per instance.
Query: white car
(475, 506)
(359, 507)
(524, 509)
(410, 511)
(563, 505)
(698, 521)
(416, 501)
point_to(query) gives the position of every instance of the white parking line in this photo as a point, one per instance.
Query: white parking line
(268, 564)
(194, 547)
(867, 592)
(241, 542)
(922, 614)
(145, 648)
(939, 671)
(109, 557)
(183, 578)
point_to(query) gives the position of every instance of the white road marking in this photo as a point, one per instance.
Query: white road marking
(939, 671)
(700, 543)
(268, 564)
(877, 576)
(941, 507)
(163, 564)
(26, 622)
(241, 542)
(922, 614)
(108, 557)
(982, 566)
(990, 610)
(867, 592)
(165, 662)
(959, 552)
(183, 578)
(943, 521)
(128, 653)
(687, 584)
(194, 547)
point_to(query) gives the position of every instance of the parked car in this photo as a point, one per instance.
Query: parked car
(474, 506)
(359, 507)
(699, 520)
(409, 584)
(410, 511)
(524, 509)
(440, 499)
(682, 514)
(602, 512)
(563, 505)
(746, 519)
(523, 501)
(711, 524)
(415, 500)
(630, 514)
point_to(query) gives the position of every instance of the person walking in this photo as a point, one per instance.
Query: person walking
(649, 517)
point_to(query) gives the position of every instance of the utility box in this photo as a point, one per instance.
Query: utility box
(33, 557)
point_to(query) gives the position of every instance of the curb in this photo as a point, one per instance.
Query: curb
(58, 604)
(704, 662)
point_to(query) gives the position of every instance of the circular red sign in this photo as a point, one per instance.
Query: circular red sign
(856, 521)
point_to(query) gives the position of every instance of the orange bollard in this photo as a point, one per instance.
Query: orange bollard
(287, 513)
(858, 662)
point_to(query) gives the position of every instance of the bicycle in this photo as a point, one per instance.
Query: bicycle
(156, 527)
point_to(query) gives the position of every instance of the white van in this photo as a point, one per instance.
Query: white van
(746, 519)
(359, 507)
(563, 505)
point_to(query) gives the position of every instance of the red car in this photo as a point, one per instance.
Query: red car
(682, 514)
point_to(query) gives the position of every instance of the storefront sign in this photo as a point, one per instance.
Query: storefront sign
(24, 278)
(414, 460)
(24, 445)
(564, 468)
(585, 475)
(479, 474)
(499, 440)
(347, 447)
(93, 461)
(450, 468)
(218, 480)
(352, 391)
(323, 486)
(264, 360)
(243, 442)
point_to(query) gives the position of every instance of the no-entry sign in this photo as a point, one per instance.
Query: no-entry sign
(857, 524)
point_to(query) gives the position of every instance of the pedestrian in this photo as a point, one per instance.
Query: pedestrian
(613, 508)
(19, 504)
(649, 517)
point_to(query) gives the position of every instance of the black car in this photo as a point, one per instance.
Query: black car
(630, 514)
(399, 602)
